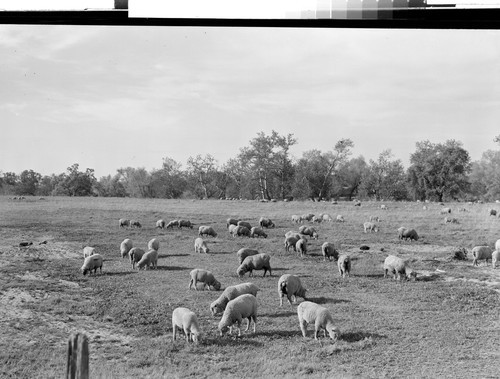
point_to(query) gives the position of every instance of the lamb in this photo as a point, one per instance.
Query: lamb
(231, 228)
(329, 251)
(290, 285)
(370, 226)
(296, 219)
(92, 262)
(230, 293)
(149, 259)
(154, 244)
(206, 230)
(375, 218)
(231, 221)
(244, 306)
(125, 247)
(245, 224)
(123, 222)
(301, 247)
(88, 251)
(310, 312)
(255, 262)
(308, 231)
(481, 252)
(451, 220)
(340, 218)
(244, 252)
(307, 217)
(200, 245)
(410, 234)
(185, 224)
(344, 265)
(494, 258)
(160, 224)
(204, 276)
(445, 210)
(172, 223)
(266, 223)
(493, 212)
(241, 231)
(398, 266)
(328, 218)
(135, 255)
(257, 232)
(183, 318)
(135, 224)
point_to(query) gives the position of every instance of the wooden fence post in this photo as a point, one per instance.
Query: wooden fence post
(78, 357)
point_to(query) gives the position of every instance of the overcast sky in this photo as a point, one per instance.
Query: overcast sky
(111, 97)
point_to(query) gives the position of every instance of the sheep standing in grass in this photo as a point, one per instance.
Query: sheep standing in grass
(398, 266)
(231, 228)
(125, 247)
(230, 293)
(383, 206)
(370, 226)
(307, 217)
(344, 265)
(240, 231)
(93, 262)
(135, 255)
(301, 247)
(495, 256)
(410, 234)
(401, 231)
(493, 212)
(290, 286)
(88, 251)
(255, 262)
(185, 224)
(257, 232)
(244, 306)
(327, 218)
(123, 222)
(204, 276)
(245, 224)
(244, 252)
(266, 223)
(200, 245)
(308, 231)
(135, 224)
(374, 219)
(481, 252)
(231, 221)
(309, 313)
(154, 244)
(148, 260)
(296, 219)
(328, 250)
(206, 230)
(451, 220)
(171, 224)
(186, 320)
(160, 224)
(340, 218)
(445, 210)
(291, 241)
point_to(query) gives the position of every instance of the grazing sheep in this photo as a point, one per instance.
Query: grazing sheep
(410, 234)
(257, 232)
(301, 247)
(135, 224)
(344, 265)
(204, 276)
(135, 255)
(185, 224)
(230, 293)
(244, 306)
(123, 222)
(200, 245)
(375, 218)
(493, 212)
(88, 251)
(357, 203)
(451, 220)
(329, 251)
(154, 244)
(340, 218)
(245, 224)
(424, 208)
(291, 241)
(307, 217)
(370, 226)
(266, 223)
(460, 254)
(186, 320)
(309, 313)
(383, 206)
(401, 231)
(93, 262)
(206, 230)
(244, 252)
(172, 223)
(160, 224)
(317, 219)
(296, 219)
(255, 262)
(149, 259)
(125, 247)
(231, 228)
(291, 233)
(231, 221)
(327, 218)
(308, 231)
(290, 285)
(494, 258)
(462, 209)
(445, 210)
(481, 252)
(398, 266)
(240, 231)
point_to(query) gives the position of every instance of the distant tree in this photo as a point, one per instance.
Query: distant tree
(48, 184)
(240, 182)
(136, 181)
(9, 183)
(485, 176)
(203, 174)
(110, 186)
(349, 178)
(169, 181)
(439, 171)
(28, 182)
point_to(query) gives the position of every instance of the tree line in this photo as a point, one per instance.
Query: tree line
(265, 169)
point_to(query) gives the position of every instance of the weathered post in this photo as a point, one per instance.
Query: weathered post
(78, 357)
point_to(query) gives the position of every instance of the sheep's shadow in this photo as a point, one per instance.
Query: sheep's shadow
(282, 314)
(324, 300)
(171, 268)
(372, 275)
(359, 336)
(221, 252)
(172, 255)
(120, 273)
(280, 269)
(279, 333)
(228, 340)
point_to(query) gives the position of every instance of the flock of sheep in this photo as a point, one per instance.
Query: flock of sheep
(238, 302)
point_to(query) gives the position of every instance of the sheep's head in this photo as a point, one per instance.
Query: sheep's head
(315, 235)
(410, 274)
(334, 333)
(217, 285)
(85, 271)
(196, 338)
(240, 271)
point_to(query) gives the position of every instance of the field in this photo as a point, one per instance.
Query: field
(444, 325)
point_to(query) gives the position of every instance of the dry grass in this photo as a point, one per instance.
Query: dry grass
(443, 325)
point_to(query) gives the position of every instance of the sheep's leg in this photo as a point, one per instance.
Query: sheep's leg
(248, 324)
(174, 332)
(303, 328)
(190, 283)
(254, 322)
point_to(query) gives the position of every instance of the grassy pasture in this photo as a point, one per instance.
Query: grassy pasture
(444, 325)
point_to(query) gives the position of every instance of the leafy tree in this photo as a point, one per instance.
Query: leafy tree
(28, 182)
(169, 181)
(349, 178)
(136, 181)
(485, 176)
(203, 171)
(110, 186)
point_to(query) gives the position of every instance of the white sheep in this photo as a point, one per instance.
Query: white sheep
(154, 244)
(317, 219)
(309, 313)
(290, 286)
(231, 221)
(160, 224)
(206, 230)
(200, 245)
(203, 276)
(340, 218)
(125, 247)
(445, 210)
(93, 262)
(291, 241)
(257, 232)
(370, 226)
(88, 251)
(497, 245)
(401, 231)
(231, 228)
(329, 251)
(301, 247)
(149, 259)
(255, 262)
(344, 265)
(240, 230)
(230, 293)
(135, 255)
(244, 306)
(383, 206)
(307, 216)
(495, 256)
(296, 219)
(186, 320)
(481, 252)
(375, 218)
(123, 222)
(266, 223)
(245, 224)
(185, 224)
(308, 231)
(398, 266)
(171, 224)
(327, 218)
(244, 252)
